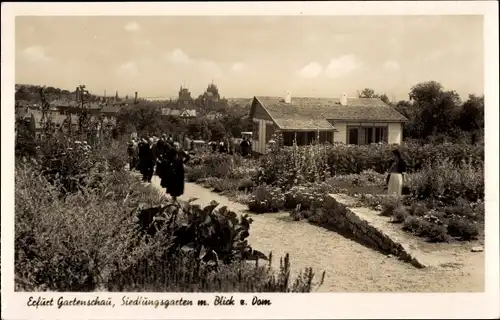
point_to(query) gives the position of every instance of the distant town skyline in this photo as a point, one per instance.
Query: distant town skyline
(317, 56)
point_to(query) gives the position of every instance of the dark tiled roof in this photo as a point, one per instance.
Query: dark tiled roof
(317, 109)
(302, 123)
(56, 118)
(110, 109)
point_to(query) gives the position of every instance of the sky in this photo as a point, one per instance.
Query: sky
(315, 56)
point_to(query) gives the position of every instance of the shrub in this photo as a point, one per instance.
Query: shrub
(102, 239)
(464, 230)
(115, 154)
(437, 233)
(221, 185)
(424, 228)
(447, 182)
(418, 209)
(266, 199)
(309, 196)
(290, 166)
(389, 206)
(194, 174)
(64, 243)
(246, 184)
(399, 214)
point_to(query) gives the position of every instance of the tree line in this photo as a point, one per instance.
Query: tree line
(434, 114)
(438, 115)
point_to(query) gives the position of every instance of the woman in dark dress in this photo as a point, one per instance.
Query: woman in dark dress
(175, 183)
(144, 158)
(159, 151)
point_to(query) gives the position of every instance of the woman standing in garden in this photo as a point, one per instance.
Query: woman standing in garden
(395, 178)
(175, 176)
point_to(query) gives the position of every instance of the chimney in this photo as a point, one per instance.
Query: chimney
(135, 97)
(288, 97)
(343, 99)
(77, 94)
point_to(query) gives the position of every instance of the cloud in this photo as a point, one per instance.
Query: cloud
(128, 69)
(342, 66)
(312, 70)
(391, 65)
(178, 56)
(133, 27)
(238, 67)
(36, 54)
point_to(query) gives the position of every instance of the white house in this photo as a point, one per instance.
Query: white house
(346, 120)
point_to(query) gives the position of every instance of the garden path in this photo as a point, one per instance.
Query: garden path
(349, 266)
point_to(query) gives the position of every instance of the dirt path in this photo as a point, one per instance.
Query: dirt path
(349, 266)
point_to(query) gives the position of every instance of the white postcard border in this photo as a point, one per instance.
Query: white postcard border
(284, 306)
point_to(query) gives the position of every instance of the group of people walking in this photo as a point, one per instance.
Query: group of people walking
(226, 146)
(163, 153)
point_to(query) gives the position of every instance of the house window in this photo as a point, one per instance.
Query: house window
(381, 134)
(288, 138)
(269, 131)
(325, 136)
(352, 136)
(366, 135)
(311, 137)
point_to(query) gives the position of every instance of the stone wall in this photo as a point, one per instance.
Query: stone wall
(338, 217)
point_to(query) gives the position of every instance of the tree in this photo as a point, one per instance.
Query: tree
(471, 114)
(370, 93)
(384, 98)
(217, 130)
(367, 93)
(199, 129)
(146, 119)
(434, 108)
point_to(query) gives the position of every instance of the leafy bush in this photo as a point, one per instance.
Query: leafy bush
(266, 199)
(424, 228)
(464, 230)
(390, 205)
(221, 184)
(399, 214)
(418, 209)
(290, 166)
(447, 182)
(246, 184)
(195, 173)
(103, 238)
(65, 243)
(307, 197)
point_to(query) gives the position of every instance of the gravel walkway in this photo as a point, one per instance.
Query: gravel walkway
(349, 266)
